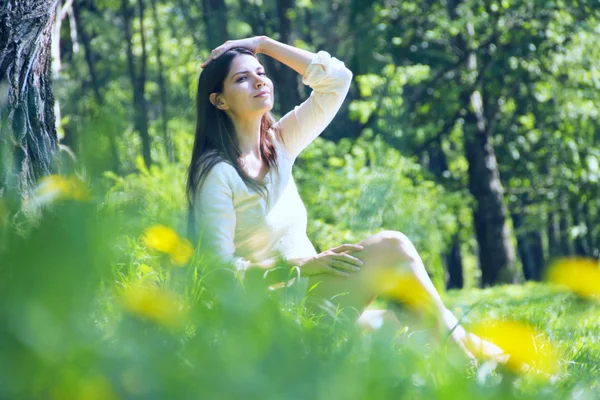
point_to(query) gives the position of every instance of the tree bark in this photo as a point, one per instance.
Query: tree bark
(28, 138)
(496, 254)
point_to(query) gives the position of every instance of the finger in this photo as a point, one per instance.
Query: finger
(220, 50)
(348, 247)
(213, 54)
(337, 272)
(349, 259)
(344, 266)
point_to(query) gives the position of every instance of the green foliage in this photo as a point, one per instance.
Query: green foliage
(67, 331)
(74, 326)
(356, 189)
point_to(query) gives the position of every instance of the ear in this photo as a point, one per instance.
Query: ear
(216, 101)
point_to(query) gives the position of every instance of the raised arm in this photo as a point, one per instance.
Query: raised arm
(330, 81)
(328, 77)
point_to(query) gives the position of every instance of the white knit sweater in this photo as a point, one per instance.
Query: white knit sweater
(239, 225)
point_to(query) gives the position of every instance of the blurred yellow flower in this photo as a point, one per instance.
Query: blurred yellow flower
(527, 349)
(161, 238)
(182, 252)
(59, 187)
(154, 304)
(580, 275)
(166, 240)
(403, 287)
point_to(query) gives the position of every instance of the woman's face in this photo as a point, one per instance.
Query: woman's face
(247, 92)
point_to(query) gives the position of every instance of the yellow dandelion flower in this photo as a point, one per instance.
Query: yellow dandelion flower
(182, 252)
(527, 350)
(157, 305)
(161, 238)
(580, 275)
(59, 187)
(166, 240)
(403, 287)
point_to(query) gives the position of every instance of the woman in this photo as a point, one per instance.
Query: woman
(240, 188)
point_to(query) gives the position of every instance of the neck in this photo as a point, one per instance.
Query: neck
(248, 135)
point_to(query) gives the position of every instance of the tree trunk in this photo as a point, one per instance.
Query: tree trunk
(138, 80)
(28, 139)
(529, 246)
(437, 164)
(563, 226)
(580, 246)
(454, 265)
(214, 13)
(496, 254)
(586, 214)
(552, 232)
(162, 87)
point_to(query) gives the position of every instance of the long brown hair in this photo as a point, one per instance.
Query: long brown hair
(215, 138)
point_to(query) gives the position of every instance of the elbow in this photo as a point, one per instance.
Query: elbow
(345, 77)
(347, 74)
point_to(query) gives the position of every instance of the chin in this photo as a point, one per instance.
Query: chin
(267, 108)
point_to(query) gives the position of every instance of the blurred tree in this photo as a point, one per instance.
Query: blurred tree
(138, 77)
(28, 139)
(164, 114)
(214, 14)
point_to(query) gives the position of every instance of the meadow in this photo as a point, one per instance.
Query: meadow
(104, 298)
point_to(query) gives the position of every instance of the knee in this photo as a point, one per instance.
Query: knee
(398, 244)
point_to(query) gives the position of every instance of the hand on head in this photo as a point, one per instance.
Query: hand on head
(252, 44)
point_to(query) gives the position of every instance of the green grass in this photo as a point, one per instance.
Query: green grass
(71, 328)
(572, 324)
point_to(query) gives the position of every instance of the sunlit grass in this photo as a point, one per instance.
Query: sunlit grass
(93, 309)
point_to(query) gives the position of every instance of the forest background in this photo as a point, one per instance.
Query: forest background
(471, 126)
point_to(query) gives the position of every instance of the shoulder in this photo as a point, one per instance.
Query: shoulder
(220, 175)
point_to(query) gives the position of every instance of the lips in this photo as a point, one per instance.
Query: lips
(262, 93)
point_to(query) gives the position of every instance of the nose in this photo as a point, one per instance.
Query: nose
(260, 82)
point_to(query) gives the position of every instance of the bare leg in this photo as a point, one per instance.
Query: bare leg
(387, 249)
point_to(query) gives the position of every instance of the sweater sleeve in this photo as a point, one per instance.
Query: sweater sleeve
(330, 81)
(215, 218)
